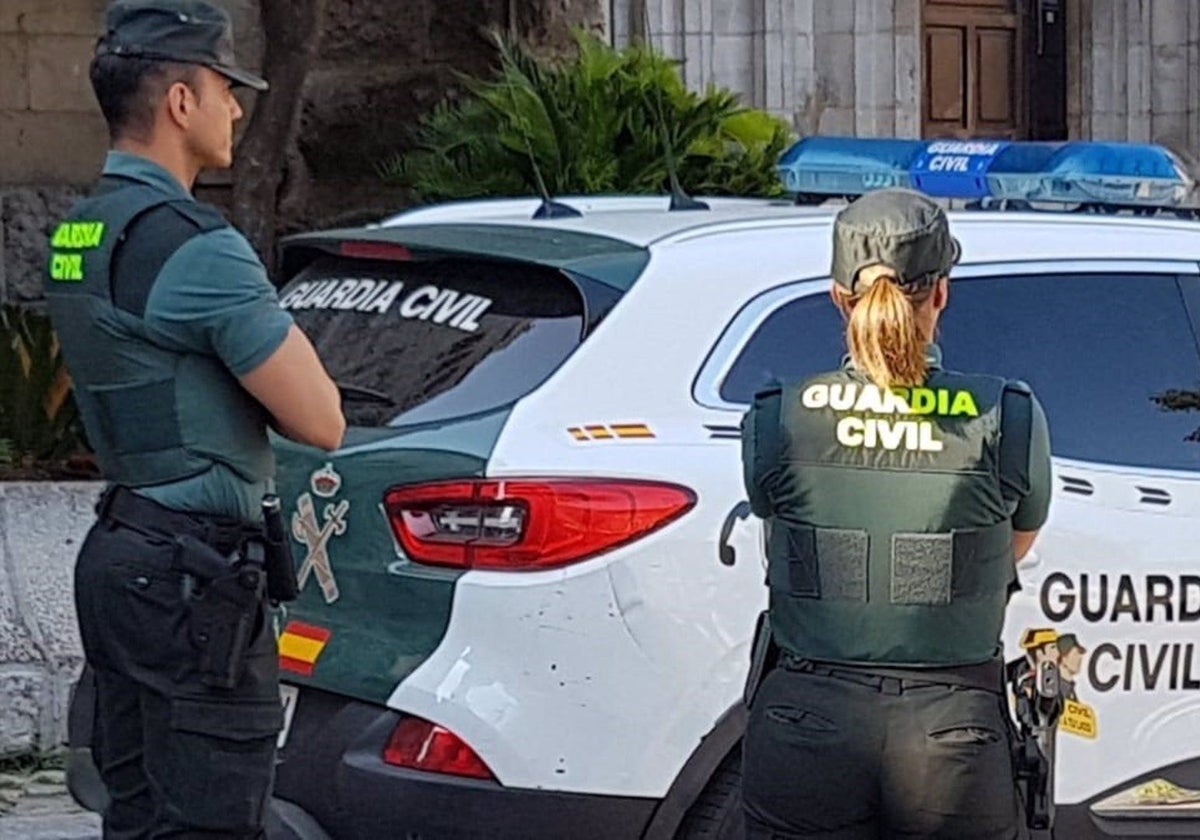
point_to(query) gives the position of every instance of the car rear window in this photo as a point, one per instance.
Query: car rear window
(415, 342)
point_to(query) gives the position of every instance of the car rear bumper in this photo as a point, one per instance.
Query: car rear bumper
(332, 784)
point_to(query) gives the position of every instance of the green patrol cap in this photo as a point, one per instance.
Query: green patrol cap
(902, 229)
(190, 31)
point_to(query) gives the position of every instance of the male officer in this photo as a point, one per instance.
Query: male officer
(897, 495)
(181, 357)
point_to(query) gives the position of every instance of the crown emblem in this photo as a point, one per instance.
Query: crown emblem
(326, 482)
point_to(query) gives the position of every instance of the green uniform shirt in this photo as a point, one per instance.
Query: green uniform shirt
(1021, 415)
(212, 298)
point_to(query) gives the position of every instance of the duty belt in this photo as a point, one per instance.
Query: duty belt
(121, 506)
(987, 676)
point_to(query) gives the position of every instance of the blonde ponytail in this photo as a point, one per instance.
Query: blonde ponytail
(883, 337)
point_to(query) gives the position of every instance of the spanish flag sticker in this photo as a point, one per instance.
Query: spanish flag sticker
(300, 646)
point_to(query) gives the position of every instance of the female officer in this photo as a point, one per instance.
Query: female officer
(897, 496)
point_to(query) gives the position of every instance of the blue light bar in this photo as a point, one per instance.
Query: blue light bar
(1073, 172)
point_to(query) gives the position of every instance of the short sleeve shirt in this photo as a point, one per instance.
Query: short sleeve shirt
(211, 297)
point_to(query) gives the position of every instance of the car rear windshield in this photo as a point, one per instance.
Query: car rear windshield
(415, 342)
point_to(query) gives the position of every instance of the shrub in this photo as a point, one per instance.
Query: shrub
(39, 423)
(598, 122)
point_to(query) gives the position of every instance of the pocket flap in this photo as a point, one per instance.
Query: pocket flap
(233, 720)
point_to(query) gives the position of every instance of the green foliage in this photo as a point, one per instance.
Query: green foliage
(38, 418)
(598, 122)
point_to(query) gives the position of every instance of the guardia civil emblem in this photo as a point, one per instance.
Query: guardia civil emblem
(315, 533)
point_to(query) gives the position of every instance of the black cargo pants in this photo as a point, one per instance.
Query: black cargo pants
(863, 757)
(178, 759)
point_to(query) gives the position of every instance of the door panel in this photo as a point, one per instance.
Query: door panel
(973, 69)
(997, 52)
(945, 69)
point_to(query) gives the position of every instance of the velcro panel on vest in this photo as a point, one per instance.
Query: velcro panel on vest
(825, 563)
(139, 420)
(983, 560)
(934, 569)
(922, 568)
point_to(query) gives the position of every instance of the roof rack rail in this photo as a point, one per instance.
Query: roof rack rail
(1000, 174)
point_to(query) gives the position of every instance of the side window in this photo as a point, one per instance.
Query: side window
(1103, 352)
(802, 337)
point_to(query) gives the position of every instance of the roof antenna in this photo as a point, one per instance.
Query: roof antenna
(549, 209)
(680, 200)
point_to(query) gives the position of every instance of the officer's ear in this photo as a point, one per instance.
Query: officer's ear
(941, 294)
(841, 299)
(182, 103)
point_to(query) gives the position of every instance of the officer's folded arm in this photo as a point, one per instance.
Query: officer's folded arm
(1022, 543)
(295, 388)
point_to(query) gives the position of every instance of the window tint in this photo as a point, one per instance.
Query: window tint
(422, 341)
(800, 338)
(1111, 357)
(1100, 351)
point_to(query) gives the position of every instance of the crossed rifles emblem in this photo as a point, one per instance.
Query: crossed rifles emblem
(315, 536)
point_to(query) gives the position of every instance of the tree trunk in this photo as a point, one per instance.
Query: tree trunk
(546, 24)
(290, 32)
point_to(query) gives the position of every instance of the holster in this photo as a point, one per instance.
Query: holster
(1038, 709)
(764, 656)
(225, 602)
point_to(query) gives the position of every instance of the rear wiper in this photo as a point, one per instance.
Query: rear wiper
(359, 393)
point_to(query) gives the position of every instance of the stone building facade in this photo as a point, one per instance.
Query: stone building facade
(1103, 69)
(1111, 69)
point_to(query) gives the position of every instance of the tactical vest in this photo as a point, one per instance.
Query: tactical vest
(147, 407)
(893, 543)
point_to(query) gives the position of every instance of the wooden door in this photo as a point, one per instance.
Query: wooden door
(974, 69)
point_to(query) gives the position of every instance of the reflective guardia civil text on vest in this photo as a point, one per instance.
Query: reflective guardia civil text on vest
(892, 542)
(146, 405)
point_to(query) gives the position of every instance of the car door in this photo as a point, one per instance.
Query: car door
(1111, 588)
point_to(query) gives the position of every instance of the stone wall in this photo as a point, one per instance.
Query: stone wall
(380, 66)
(52, 135)
(853, 66)
(41, 528)
(845, 67)
(1134, 71)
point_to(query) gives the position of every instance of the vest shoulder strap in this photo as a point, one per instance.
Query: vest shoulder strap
(151, 239)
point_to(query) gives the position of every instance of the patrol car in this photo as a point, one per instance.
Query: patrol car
(530, 576)
(530, 579)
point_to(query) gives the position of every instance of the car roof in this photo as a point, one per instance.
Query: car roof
(645, 222)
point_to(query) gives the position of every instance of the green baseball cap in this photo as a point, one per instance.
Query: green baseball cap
(902, 229)
(190, 31)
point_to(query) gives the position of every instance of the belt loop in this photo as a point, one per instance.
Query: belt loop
(105, 501)
(892, 686)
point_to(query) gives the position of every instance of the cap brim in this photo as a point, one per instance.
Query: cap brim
(241, 77)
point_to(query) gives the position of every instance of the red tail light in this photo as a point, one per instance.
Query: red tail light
(422, 745)
(528, 523)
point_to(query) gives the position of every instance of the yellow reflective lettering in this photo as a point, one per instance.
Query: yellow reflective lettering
(924, 401)
(66, 267)
(964, 403)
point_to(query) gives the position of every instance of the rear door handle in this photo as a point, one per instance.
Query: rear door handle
(726, 552)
